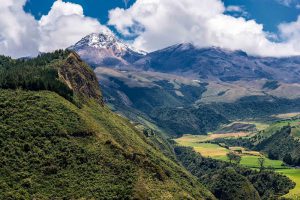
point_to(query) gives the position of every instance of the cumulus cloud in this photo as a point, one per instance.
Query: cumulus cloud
(287, 2)
(290, 32)
(154, 24)
(234, 9)
(159, 23)
(237, 11)
(21, 35)
(64, 25)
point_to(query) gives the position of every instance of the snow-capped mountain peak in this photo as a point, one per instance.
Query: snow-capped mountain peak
(104, 46)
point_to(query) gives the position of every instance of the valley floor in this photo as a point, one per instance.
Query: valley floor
(202, 145)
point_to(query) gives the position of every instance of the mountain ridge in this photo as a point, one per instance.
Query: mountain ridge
(59, 142)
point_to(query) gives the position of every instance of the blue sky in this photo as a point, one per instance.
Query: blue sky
(258, 27)
(270, 13)
(92, 8)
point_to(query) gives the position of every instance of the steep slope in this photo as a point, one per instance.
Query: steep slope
(73, 147)
(105, 49)
(280, 141)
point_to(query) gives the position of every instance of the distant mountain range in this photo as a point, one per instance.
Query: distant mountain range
(106, 50)
(172, 87)
(220, 64)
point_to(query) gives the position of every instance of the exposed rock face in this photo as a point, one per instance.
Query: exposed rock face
(80, 78)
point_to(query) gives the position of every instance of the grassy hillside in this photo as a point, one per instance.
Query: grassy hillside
(53, 147)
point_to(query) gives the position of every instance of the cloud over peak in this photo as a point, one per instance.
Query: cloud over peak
(159, 23)
(154, 24)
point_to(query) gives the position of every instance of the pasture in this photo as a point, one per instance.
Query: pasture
(249, 158)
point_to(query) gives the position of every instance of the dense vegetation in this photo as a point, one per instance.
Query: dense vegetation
(277, 143)
(230, 181)
(34, 74)
(175, 115)
(54, 149)
(51, 148)
(281, 145)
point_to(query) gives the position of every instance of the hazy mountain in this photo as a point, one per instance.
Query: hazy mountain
(220, 64)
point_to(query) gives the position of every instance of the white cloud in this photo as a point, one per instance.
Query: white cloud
(237, 11)
(159, 23)
(285, 2)
(290, 3)
(21, 35)
(290, 32)
(18, 30)
(64, 25)
(156, 23)
(234, 9)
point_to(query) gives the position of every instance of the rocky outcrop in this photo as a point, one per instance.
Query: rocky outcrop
(80, 78)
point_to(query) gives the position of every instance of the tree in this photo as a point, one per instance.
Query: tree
(273, 155)
(233, 157)
(288, 159)
(261, 163)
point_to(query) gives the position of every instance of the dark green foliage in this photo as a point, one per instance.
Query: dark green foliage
(34, 74)
(271, 85)
(228, 181)
(187, 120)
(40, 157)
(233, 157)
(227, 184)
(281, 145)
(254, 107)
(51, 149)
(288, 159)
(161, 105)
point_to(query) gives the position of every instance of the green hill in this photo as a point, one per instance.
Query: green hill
(58, 140)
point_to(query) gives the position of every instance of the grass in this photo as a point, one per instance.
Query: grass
(287, 115)
(296, 131)
(252, 162)
(190, 140)
(218, 152)
(210, 150)
(259, 125)
(293, 174)
(249, 158)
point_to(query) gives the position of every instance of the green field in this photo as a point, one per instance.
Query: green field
(293, 174)
(252, 162)
(217, 152)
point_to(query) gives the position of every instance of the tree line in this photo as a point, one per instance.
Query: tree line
(35, 74)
